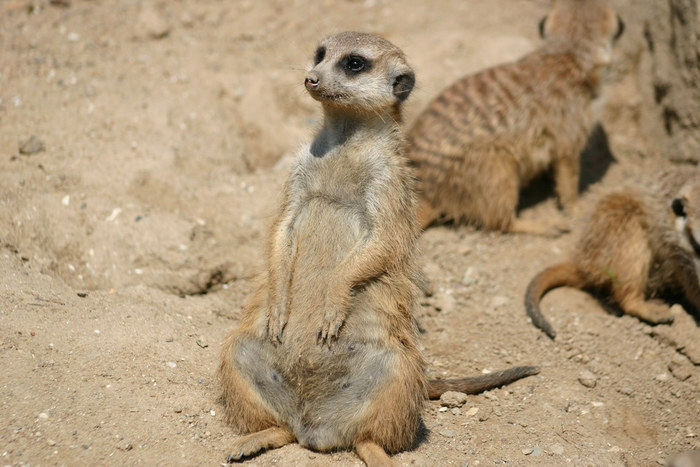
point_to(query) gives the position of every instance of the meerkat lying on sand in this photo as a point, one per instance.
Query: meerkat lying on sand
(326, 354)
(638, 245)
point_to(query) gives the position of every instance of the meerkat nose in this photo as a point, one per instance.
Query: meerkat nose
(311, 82)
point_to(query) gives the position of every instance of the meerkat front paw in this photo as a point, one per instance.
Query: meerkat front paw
(333, 318)
(332, 321)
(276, 321)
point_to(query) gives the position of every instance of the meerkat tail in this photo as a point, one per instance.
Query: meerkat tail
(563, 274)
(477, 384)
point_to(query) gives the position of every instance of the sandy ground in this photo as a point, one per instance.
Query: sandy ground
(128, 244)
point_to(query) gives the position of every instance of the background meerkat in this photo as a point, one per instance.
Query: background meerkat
(481, 140)
(326, 354)
(637, 245)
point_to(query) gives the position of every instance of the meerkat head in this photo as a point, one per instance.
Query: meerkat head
(686, 208)
(359, 72)
(590, 25)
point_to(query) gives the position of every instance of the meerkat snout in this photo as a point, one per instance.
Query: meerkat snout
(311, 81)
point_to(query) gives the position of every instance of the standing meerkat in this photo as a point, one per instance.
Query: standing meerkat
(326, 353)
(481, 140)
(637, 246)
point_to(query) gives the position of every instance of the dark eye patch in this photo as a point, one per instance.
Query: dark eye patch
(354, 64)
(320, 55)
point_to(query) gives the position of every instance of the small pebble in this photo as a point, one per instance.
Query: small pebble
(447, 433)
(587, 378)
(499, 300)
(172, 364)
(453, 399)
(124, 446)
(456, 411)
(153, 24)
(44, 416)
(680, 368)
(31, 145)
(471, 412)
(627, 391)
(662, 377)
(536, 450)
(557, 449)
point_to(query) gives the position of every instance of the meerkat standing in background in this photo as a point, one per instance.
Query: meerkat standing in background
(637, 245)
(485, 137)
(326, 353)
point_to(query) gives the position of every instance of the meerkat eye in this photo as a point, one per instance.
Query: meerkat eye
(678, 208)
(355, 63)
(320, 55)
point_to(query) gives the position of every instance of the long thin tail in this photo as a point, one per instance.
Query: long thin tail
(477, 384)
(554, 276)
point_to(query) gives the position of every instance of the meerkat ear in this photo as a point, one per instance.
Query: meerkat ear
(678, 207)
(403, 85)
(541, 27)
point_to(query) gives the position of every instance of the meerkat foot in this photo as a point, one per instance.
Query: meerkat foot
(653, 313)
(373, 454)
(253, 443)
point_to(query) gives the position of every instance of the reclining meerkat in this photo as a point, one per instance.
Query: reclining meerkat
(483, 139)
(637, 245)
(326, 354)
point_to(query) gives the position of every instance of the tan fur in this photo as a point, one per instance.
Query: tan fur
(480, 141)
(636, 248)
(326, 353)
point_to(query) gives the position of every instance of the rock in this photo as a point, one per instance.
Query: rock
(587, 378)
(680, 367)
(447, 433)
(124, 446)
(471, 412)
(627, 391)
(536, 450)
(31, 145)
(153, 24)
(453, 399)
(557, 449)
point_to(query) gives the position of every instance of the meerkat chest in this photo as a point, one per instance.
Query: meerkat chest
(342, 179)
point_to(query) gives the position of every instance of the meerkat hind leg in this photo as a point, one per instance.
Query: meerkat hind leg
(427, 214)
(566, 181)
(270, 438)
(373, 454)
(648, 311)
